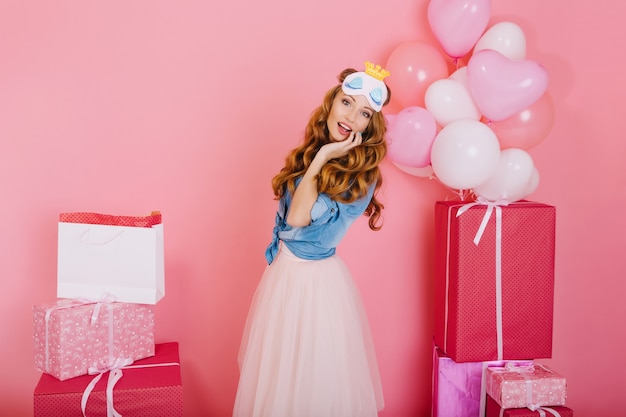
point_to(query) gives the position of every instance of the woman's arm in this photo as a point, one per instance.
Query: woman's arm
(306, 193)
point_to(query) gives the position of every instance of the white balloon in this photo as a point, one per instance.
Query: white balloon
(464, 154)
(506, 38)
(449, 100)
(460, 75)
(510, 180)
(532, 185)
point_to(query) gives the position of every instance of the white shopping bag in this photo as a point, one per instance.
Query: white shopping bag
(118, 257)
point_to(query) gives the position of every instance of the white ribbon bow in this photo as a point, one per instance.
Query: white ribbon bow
(480, 201)
(115, 374)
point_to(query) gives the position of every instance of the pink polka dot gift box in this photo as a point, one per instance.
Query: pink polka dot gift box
(494, 280)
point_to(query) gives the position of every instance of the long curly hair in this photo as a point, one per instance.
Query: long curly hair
(344, 179)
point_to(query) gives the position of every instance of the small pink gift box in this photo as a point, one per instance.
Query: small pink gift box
(72, 336)
(530, 386)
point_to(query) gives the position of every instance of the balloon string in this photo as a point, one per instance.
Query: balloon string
(462, 194)
(456, 62)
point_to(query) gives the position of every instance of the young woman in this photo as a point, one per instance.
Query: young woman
(307, 349)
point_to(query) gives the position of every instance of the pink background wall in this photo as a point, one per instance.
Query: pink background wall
(189, 108)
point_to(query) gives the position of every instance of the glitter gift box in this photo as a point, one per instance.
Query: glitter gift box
(71, 336)
(147, 387)
(494, 292)
(494, 410)
(526, 386)
(456, 387)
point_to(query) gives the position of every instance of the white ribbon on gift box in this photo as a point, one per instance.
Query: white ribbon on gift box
(491, 205)
(542, 412)
(552, 411)
(115, 373)
(107, 299)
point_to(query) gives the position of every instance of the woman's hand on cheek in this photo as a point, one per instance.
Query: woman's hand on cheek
(335, 150)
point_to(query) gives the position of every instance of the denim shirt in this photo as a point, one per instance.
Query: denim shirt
(330, 221)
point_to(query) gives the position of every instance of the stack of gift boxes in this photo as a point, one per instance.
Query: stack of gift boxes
(95, 344)
(494, 293)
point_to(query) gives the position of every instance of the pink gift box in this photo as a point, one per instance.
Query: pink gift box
(494, 293)
(71, 336)
(494, 410)
(150, 387)
(526, 386)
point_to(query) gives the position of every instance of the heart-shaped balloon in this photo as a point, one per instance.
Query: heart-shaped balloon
(458, 24)
(502, 87)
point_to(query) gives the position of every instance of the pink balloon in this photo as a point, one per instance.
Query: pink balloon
(458, 24)
(502, 87)
(390, 119)
(528, 127)
(410, 137)
(413, 67)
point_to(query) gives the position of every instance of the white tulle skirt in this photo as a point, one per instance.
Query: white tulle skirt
(307, 350)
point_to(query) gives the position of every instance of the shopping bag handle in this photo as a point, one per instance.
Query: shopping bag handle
(84, 238)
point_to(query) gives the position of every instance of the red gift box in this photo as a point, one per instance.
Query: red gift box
(494, 410)
(494, 292)
(149, 387)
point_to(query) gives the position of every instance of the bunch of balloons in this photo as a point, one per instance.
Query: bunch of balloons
(471, 129)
